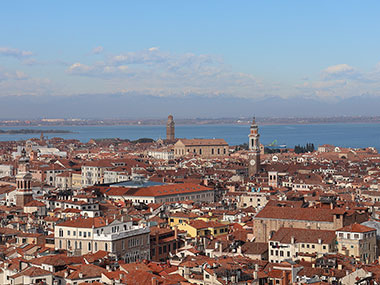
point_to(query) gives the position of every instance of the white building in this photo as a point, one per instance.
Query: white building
(161, 154)
(89, 235)
(290, 243)
(6, 170)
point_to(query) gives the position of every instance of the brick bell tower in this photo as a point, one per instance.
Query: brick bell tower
(254, 150)
(170, 135)
(24, 192)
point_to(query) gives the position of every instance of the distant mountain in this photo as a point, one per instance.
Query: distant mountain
(131, 106)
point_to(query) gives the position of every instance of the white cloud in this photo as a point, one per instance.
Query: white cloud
(13, 52)
(342, 81)
(12, 75)
(79, 68)
(341, 71)
(339, 68)
(161, 73)
(98, 50)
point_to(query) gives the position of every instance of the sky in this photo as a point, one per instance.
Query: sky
(319, 50)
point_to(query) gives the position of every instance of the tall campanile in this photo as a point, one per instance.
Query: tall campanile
(254, 150)
(24, 192)
(170, 135)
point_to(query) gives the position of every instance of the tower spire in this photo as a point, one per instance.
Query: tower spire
(254, 149)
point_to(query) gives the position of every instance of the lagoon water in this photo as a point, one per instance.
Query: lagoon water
(345, 135)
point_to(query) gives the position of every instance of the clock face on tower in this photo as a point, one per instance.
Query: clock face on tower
(252, 162)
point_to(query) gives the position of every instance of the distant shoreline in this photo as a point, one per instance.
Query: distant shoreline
(32, 131)
(179, 122)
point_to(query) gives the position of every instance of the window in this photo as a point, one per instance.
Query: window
(60, 232)
(68, 233)
(89, 246)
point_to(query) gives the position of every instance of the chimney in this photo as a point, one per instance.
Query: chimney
(239, 249)
(176, 232)
(255, 274)
(292, 240)
(220, 248)
(186, 272)
(320, 241)
(80, 275)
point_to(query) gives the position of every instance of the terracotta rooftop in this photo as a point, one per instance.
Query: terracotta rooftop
(284, 235)
(159, 190)
(304, 214)
(82, 222)
(356, 228)
(203, 142)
